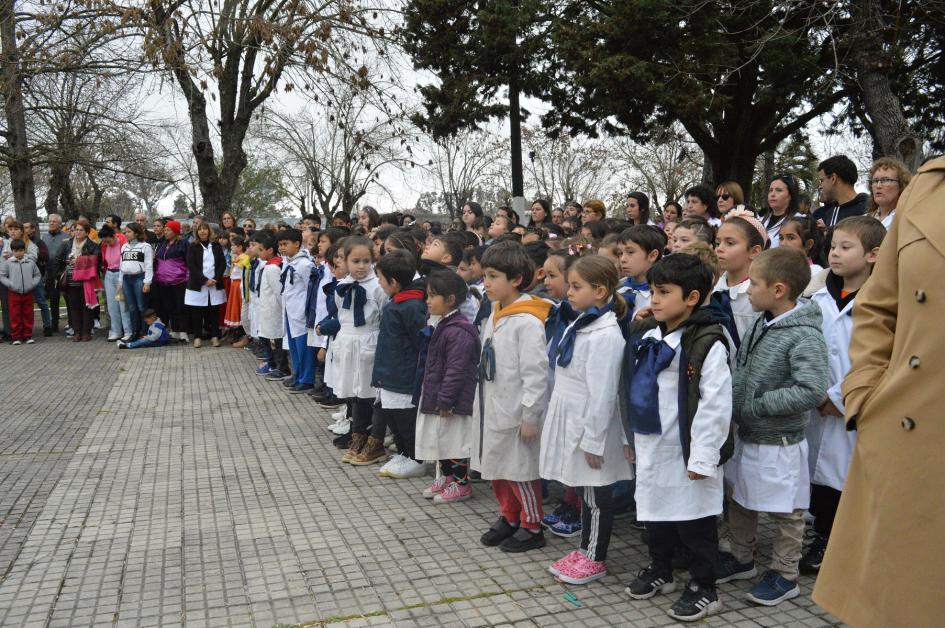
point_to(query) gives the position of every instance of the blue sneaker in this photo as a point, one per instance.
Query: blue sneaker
(554, 516)
(730, 569)
(568, 525)
(263, 370)
(773, 589)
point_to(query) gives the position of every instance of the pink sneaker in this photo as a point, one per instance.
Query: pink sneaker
(582, 570)
(558, 565)
(438, 486)
(453, 493)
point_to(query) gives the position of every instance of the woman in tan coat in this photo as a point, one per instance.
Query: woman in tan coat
(885, 564)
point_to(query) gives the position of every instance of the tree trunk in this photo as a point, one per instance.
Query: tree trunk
(18, 160)
(892, 134)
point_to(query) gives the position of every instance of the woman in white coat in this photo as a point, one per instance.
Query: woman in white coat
(583, 441)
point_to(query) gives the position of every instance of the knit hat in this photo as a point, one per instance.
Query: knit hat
(174, 226)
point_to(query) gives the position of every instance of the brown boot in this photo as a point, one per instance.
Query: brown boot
(242, 342)
(371, 453)
(357, 444)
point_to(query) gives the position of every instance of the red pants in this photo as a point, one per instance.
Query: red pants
(21, 315)
(519, 502)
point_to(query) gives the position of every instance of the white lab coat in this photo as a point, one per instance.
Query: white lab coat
(321, 309)
(664, 491)
(583, 414)
(350, 358)
(295, 292)
(831, 445)
(641, 298)
(517, 395)
(268, 316)
(741, 307)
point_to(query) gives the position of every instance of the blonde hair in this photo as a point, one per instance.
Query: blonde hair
(706, 255)
(600, 271)
(733, 189)
(902, 174)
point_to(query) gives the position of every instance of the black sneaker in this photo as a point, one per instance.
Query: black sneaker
(499, 531)
(331, 402)
(814, 557)
(289, 382)
(343, 441)
(47, 332)
(649, 582)
(695, 603)
(522, 541)
(300, 388)
(275, 375)
(730, 569)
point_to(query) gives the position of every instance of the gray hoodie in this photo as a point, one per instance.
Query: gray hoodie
(780, 375)
(20, 275)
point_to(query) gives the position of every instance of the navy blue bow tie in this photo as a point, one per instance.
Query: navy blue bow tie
(288, 273)
(630, 295)
(566, 345)
(652, 356)
(354, 289)
(560, 316)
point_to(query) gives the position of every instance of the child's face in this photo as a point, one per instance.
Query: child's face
(731, 246)
(150, 320)
(555, 282)
(585, 232)
(762, 295)
(359, 261)
(668, 229)
(308, 238)
(435, 251)
(530, 237)
(438, 305)
(695, 208)
(847, 255)
(389, 287)
(464, 271)
(19, 253)
(499, 227)
(669, 305)
(476, 269)
(634, 261)
(612, 253)
(340, 269)
(499, 288)
(288, 248)
(791, 238)
(323, 243)
(378, 248)
(236, 250)
(682, 238)
(582, 295)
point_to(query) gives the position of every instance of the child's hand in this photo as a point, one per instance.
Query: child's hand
(321, 355)
(593, 461)
(318, 330)
(645, 312)
(444, 413)
(146, 288)
(211, 282)
(827, 408)
(629, 454)
(696, 476)
(528, 432)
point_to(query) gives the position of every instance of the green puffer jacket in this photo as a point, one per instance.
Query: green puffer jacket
(780, 375)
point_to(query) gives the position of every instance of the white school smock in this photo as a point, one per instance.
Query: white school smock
(350, 358)
(268, 318)
(664, 491)
(321, 309)
(831, 445)
(641, 298)
(770, 478)
(207, 295)
(517, 395)
(741, 307)
(583, 413)
(295, 292)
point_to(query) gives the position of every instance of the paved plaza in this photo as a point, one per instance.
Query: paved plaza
(174, 487)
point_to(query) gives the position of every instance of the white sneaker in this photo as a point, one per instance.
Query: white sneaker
(339, 423)
(402, 468)
(30, 341)
(96, 324)
(16, 343)
(112, 338)
(384, 471)
(342, 428)
(388, 440)
(341, 414)
(126, 338)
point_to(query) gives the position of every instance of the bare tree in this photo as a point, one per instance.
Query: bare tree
(463, 164)
(663, 168)
(563, 168)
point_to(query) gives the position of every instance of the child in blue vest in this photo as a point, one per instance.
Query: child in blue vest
(157, 335)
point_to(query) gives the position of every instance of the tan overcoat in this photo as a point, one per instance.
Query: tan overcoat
(885, 563)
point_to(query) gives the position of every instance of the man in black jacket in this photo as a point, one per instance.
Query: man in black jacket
(53, 240)
(837, 178)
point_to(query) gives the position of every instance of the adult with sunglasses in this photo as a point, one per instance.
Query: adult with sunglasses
(782, 203)
(837, 177)
(249, 226)
(728, 195)
(888, 178)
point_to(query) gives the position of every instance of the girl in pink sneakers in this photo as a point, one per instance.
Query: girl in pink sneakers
(583, 441)
(444, 422)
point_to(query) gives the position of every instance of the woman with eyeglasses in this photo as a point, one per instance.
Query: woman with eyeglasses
(782, 203)
(888, 178)
(728, 195)
(594, 209)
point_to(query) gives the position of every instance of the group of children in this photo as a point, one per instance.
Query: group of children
(690, 372)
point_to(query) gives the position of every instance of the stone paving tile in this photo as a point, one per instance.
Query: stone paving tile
(173, 487)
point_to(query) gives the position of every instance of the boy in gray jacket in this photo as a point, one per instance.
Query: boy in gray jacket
(780, 375)
(19, 274)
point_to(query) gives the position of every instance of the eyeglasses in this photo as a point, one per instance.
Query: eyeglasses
(724, 197)
(247, 225)
(883, 181)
